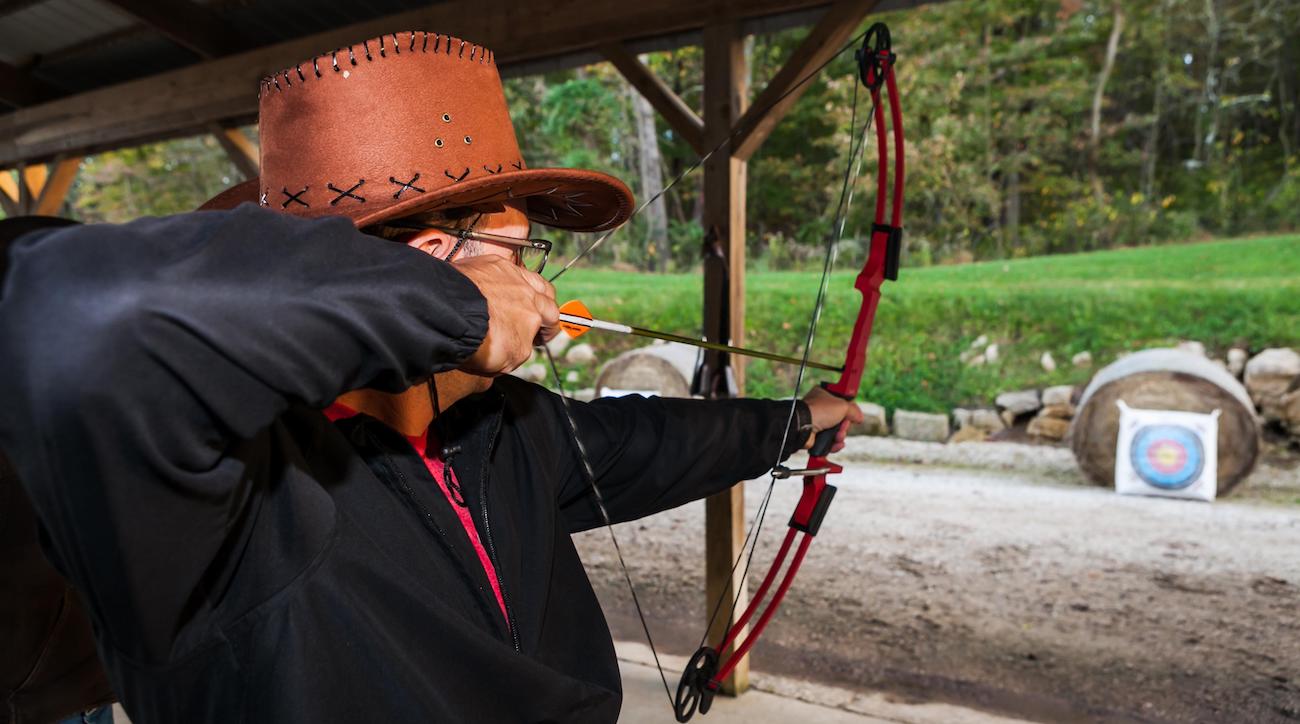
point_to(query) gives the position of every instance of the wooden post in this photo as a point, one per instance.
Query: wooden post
(725, 97)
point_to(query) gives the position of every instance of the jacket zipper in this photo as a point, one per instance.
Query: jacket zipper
(406, 488)
(487, 533)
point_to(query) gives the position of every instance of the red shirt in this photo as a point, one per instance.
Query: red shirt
(440, 472)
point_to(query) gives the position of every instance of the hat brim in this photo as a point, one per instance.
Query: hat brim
(562, 198)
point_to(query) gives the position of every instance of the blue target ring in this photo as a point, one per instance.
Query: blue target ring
(1170, 457)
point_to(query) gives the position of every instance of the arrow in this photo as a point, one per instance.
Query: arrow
(576, 320)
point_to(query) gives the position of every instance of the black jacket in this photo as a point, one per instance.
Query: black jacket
(245, 559)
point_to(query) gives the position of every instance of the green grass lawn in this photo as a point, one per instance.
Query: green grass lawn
(1107, 302)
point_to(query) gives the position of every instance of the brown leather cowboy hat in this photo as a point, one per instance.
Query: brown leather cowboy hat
(407, 123)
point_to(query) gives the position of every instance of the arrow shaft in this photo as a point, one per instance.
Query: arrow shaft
(667, 337)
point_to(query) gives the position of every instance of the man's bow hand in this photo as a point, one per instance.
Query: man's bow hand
(521, 313)
(830, 411)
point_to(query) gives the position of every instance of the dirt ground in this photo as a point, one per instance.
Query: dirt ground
(1018, 591)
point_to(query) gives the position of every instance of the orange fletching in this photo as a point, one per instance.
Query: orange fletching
(575, 308)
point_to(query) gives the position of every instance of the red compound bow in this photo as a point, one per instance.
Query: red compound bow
(706, 670)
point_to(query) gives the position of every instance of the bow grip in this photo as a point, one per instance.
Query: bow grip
(825, 439)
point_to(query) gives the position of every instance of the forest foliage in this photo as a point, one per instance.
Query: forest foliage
(1034, 127)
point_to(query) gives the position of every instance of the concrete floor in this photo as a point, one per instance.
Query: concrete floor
(774, 699)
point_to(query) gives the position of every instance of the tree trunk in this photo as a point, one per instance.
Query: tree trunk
(650, 169)
(1151, 150)
(1098, 97)
(1210, 88)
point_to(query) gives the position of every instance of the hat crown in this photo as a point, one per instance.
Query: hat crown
(381, 122)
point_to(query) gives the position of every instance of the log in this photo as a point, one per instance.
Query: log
(1165, 379)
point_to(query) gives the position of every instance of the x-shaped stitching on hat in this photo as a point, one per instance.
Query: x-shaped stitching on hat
(405, 185)
(294, 198)
(346, 194)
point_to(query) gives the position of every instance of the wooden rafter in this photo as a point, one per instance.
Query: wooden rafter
(19, 88)
(9, 193)
(38, 189)
(823, 42)
(684, 122)
(192, 25)
(239, 148)
(57, 184)
(186, 100)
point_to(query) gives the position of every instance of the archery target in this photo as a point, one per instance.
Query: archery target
(1167, 453)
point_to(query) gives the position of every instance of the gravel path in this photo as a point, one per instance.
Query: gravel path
(1017, 592)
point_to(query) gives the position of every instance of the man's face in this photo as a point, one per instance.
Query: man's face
(511, 222)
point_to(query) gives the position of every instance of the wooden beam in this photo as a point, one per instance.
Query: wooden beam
(240, 149)
(20, 88)
(194, 26)
(33, 179)
(825, 40)
(9, 193)
(670, 106)
(725, 95)
(186, 100)
(55, 189)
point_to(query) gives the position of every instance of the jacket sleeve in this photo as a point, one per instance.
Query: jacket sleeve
(652, 454)
(137, 359)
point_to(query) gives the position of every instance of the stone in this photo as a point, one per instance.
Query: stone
(1083, 359)
(874, 421)
(1192, 347)
(1019, 402)
(923, 426)
(962, 417)
(1058, 395)
(1268, 377)
(976, 361)
(1008, 418)
(1048, 362)
(586, 394)
(558, 344)
(1060, 412)
(1290, 412)
(968, 434)
(987, 420)
(572, 377)
(580, 354)
(1237, 361)
(980, 341)
(991, 354)
(1050, 428)
(534, 372)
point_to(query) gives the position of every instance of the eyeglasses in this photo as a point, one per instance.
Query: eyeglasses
(530, 253)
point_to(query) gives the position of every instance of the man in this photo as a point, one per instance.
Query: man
(226, 421)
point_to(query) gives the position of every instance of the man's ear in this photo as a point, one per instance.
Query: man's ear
(431, 242)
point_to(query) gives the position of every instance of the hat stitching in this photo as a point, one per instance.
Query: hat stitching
(491, 170)
(345, 194)
(457, 178)
(405, 185)
(265, 191)
(519, 165)
(477, 53)
(292, 198)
